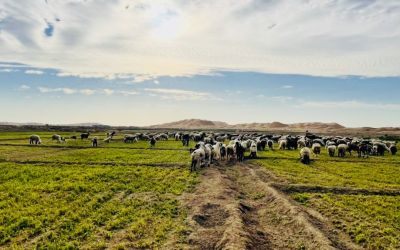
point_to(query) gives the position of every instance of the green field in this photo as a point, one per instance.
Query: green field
(119, 195)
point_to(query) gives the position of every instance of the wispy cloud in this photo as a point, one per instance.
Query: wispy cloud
(70, 91)
(178, 94)
(8, 70)
(287, 86)
(24, 87)
(180, 38)
(34, 72)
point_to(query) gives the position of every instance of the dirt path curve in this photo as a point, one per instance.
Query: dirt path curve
(234, 207)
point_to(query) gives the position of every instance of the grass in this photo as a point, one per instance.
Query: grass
(70, 195)
(371, 221)
(370, 173)
(54, 204)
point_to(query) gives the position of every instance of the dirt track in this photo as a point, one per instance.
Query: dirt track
(236, 207)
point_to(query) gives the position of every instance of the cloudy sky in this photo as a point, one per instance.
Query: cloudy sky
(133, 62)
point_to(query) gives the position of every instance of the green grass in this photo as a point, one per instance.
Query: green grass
(371, 173)
(371, 221)
(54, 206)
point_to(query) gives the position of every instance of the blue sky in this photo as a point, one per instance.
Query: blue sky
(128, 62)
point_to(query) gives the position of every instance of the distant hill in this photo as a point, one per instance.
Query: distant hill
(205, 124)
(192, 124)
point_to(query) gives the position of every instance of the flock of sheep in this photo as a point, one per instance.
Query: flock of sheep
(211, 146)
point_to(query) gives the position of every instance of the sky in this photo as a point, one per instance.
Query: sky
(133, 62)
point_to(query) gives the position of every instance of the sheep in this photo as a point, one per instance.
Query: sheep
(301, 143)
(270, 144)
(380, 148)
(253, 150)
(177, 136)
(185, 140)
(94, 142)
(58, 138)
(239, 151)
(230, 151)
(85, 135)
(282, 144)
(35, 139)
(152, 142)
(342, 148)
(217, 150)
(331, 150)
(108, 139)
(198, 156)
(305, 154)
(316, 148)
(393, 149)
(130, 138)
(223, 152)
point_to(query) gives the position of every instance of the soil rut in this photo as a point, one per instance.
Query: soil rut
(235, 207)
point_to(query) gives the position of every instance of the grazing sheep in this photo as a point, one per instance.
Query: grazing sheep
(270, 144)
(253, 150)
(108, 139)
(223, 152)
(185, 140)
(152, 142)
(85, 135)
(130, 138)
(316, 148)
(35, 139)
(58, 138)
(282, 144)
(198, 156)
(217, 150)
(301, 143)
(380, 148)
(94, 142)
(331, 150)
(342, 148)
(230, 151)
(393, 149)
(305, 155)
(239, 151)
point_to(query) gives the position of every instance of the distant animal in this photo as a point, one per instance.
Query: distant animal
(253, 150)
(152, 142)
(316, 148)
(58, 138)
(223, 152)
(74, 137)
(35, 139)
(85, 135)
(305, 155)
(270, 144)
(393, 149)
(94, 142)
(108, 139)
(185, 140)
(282, 144)
(342, 148)
(239, 151)
(130, 138)
(331, 150)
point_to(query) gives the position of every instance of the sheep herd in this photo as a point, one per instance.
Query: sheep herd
(212, 146)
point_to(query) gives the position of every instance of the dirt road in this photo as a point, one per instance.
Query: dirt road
(236, 207)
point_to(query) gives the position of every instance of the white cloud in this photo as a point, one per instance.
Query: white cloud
(87, 91)
(108, 91)
(24, 87)
(287, 86)
(8, 70)
(353, 104)
(67, 91)
(179, 38)
(179, 94)
(34, 72)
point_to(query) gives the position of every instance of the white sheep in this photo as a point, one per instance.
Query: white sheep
(316, 148)
(331, 150)
(305, 155)
(35, 139)
(108, 139)
(342, 150)
(253, 149)
(282, 144)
